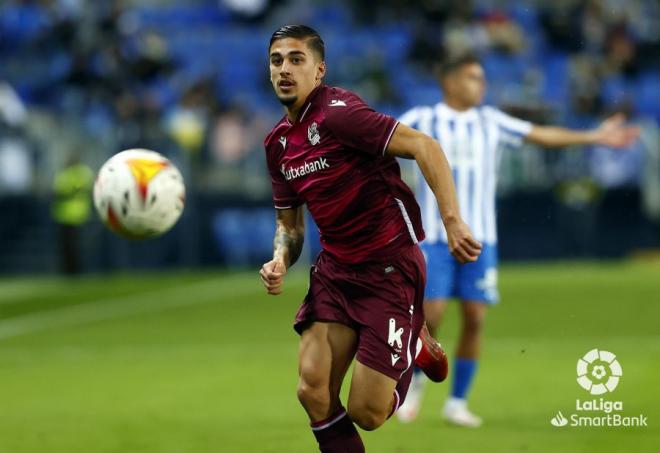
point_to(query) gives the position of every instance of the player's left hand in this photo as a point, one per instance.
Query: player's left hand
(462, 245)
(613, 132)
(272, 276)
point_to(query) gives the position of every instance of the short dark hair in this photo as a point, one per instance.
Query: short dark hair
(454, 63)
(314, 40)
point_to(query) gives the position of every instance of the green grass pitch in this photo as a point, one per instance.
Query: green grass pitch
(206, 362)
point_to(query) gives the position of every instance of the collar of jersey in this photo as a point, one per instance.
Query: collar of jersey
(459, 113)
(306, 106)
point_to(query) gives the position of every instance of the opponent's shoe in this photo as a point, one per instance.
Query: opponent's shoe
(410, 409)
(456, 413)
(431, 358)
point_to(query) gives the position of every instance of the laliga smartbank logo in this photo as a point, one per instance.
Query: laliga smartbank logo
(598, 372)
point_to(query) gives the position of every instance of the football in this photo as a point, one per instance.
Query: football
(139, 194)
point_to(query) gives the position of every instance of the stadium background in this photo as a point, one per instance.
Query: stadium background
(122, 359)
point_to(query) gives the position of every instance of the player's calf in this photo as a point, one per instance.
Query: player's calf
(332, 427)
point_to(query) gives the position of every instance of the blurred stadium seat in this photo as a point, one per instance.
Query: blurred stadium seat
(107, 76)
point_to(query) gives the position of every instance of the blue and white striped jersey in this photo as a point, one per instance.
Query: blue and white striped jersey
(470, 140)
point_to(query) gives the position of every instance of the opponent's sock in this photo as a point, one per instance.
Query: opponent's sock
(464, 370)
(337, 434)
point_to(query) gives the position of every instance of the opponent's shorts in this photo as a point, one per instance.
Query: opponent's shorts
(381, 300)
(447, 278)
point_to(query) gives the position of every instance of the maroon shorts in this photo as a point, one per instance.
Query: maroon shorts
(380, 300)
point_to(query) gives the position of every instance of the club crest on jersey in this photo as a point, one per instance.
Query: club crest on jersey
(313, 134)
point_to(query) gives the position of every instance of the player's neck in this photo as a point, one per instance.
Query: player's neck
(457, 105)
(293, 111)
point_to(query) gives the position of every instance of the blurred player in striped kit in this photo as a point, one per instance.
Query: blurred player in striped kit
(470, 135)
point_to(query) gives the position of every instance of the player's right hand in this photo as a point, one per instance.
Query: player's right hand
(272, 276)
(462, 245)
(615, 133)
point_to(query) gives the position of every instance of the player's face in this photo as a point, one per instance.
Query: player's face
(295, 70)
(469, 84)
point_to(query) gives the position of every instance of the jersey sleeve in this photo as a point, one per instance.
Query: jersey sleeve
(358, 126)
(512, 128)
(284, 197)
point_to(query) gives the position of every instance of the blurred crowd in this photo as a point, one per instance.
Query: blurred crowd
(81, 79)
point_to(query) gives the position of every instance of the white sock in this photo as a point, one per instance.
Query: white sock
(454, 402)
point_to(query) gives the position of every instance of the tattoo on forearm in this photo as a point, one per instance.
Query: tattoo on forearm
(289, 243)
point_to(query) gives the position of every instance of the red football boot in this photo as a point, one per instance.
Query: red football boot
(431, 358)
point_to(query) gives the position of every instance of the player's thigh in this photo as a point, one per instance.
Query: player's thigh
(391, 318)
(371, 391)
(326, 351)
(434, 312)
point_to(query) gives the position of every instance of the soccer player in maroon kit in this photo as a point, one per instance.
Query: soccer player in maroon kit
(337, 155)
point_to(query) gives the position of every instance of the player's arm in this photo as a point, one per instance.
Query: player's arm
(289, 235)
(612, 132)
(412, 144)
(287, 245)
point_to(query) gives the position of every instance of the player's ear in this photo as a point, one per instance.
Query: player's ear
(320, 72)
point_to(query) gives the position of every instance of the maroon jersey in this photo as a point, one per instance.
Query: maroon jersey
(333, 159)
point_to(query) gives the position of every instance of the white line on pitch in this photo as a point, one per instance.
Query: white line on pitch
(16, 291)
(118, 307)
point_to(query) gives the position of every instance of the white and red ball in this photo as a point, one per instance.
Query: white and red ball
(139, 194)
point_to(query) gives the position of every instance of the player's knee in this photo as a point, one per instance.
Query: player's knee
(433, 311)
(313, 397)
(368, 421)
(366, 418)
(432, 324)
(473, 323)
